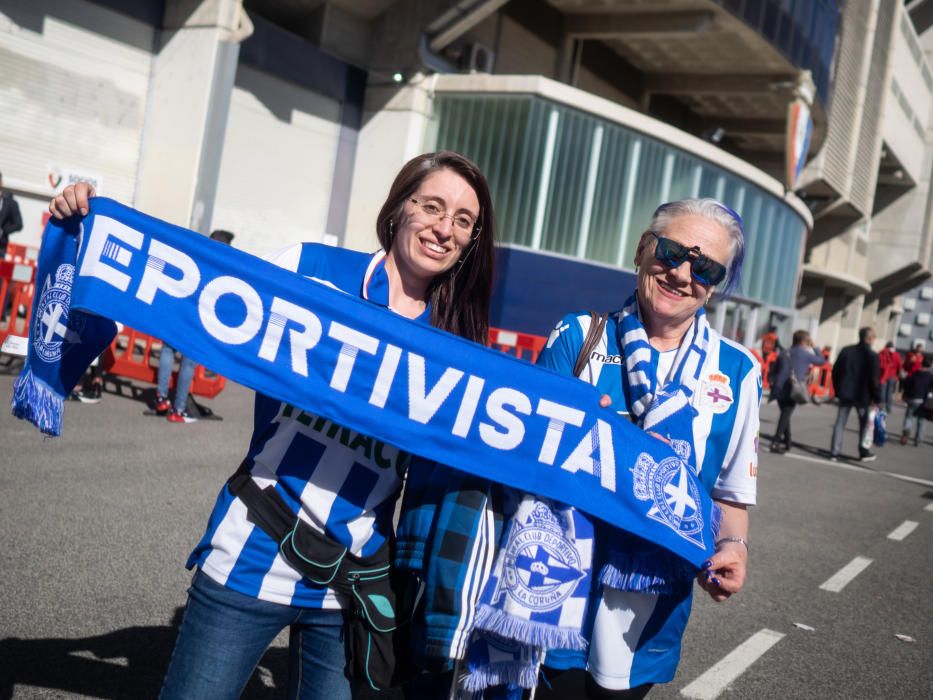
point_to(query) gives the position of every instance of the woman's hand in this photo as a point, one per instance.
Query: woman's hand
(72, 200)
(723, 575)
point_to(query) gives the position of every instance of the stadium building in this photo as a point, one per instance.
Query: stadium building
(285, 120)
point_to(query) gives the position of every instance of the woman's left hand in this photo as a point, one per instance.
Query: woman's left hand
(725, 574)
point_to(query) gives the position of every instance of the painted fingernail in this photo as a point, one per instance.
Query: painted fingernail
(708, 563)
(716, 581)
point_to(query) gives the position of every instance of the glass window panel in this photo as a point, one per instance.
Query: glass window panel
(507, 136)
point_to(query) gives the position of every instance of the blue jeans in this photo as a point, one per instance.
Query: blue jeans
(914, 413)
(185, 374)
(888, 390)
(841, 417)
(224, 634)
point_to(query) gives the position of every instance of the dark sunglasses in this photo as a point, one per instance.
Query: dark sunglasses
(672, 254)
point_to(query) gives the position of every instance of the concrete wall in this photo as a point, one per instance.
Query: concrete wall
(277, 168)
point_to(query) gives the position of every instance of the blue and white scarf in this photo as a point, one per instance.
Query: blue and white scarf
(536, 598)
(63, 342)
(634, 564)
(416, 387)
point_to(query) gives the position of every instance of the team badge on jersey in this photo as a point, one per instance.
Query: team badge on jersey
(52, 329)
(542, 566)
(716, 394)
(674, 496)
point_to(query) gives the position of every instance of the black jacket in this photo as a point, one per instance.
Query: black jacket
(857, 375)
(10, 219)
(918, 385)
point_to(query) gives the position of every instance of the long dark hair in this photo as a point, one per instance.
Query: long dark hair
(460, 297)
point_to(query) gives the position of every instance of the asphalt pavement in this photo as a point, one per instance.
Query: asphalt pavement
(97, 525)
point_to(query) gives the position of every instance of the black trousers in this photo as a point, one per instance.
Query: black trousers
(782, 435)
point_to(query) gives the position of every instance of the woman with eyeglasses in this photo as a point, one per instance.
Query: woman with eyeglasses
(435, 266)
(660, 363)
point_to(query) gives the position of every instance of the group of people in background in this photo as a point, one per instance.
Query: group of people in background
(862, 380)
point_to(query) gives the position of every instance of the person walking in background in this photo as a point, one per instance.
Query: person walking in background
(856, 378)
(917, 392)
(10, 219)
(770, 342)
(789, 387)
(913, 360)
(891, 364)
(178, 412)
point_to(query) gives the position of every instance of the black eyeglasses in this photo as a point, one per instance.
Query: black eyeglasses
(672, 254)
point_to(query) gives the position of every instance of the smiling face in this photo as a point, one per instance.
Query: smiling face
(426, 246)
(669, 297)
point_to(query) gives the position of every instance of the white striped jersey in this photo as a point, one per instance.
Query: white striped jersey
(341, 482)
(635, 638)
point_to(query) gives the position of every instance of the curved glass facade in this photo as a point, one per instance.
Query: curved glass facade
(569, 182)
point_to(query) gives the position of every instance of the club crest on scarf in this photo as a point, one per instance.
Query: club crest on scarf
(542, 564)
(54, 332)
(674, 496)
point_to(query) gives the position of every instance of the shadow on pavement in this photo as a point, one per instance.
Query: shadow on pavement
(127, 663)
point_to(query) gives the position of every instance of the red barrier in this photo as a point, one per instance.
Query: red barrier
(17, 288)
(522, 345)
(131, 355)
(820, 385)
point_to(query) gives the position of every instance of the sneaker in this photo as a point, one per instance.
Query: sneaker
(87, 396)
(904, 439)
(162, 405)
(182, 417)
(96, 391)
(867, 456)
(834, 458)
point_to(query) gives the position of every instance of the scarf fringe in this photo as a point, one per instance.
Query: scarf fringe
(715, 520)
(535, 634)
(646, 573)
(35, 401)
(500, 673)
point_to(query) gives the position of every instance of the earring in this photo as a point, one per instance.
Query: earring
(391, 231)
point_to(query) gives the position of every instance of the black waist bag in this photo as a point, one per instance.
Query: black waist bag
(378, 601)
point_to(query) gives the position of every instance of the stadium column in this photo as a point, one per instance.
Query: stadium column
(193, 70)
(394, 129)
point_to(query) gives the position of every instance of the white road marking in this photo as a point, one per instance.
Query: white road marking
(902, 530)
(911, 479)
(859, 468)
(711, 683)
(844, 576)
(818, 460)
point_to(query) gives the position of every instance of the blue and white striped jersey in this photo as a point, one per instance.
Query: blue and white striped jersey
(635, 638)
(341, 482)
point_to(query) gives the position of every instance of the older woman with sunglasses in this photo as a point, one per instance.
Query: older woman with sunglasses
(658, 355)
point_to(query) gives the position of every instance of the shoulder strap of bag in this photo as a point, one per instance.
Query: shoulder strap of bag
(597, 326)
